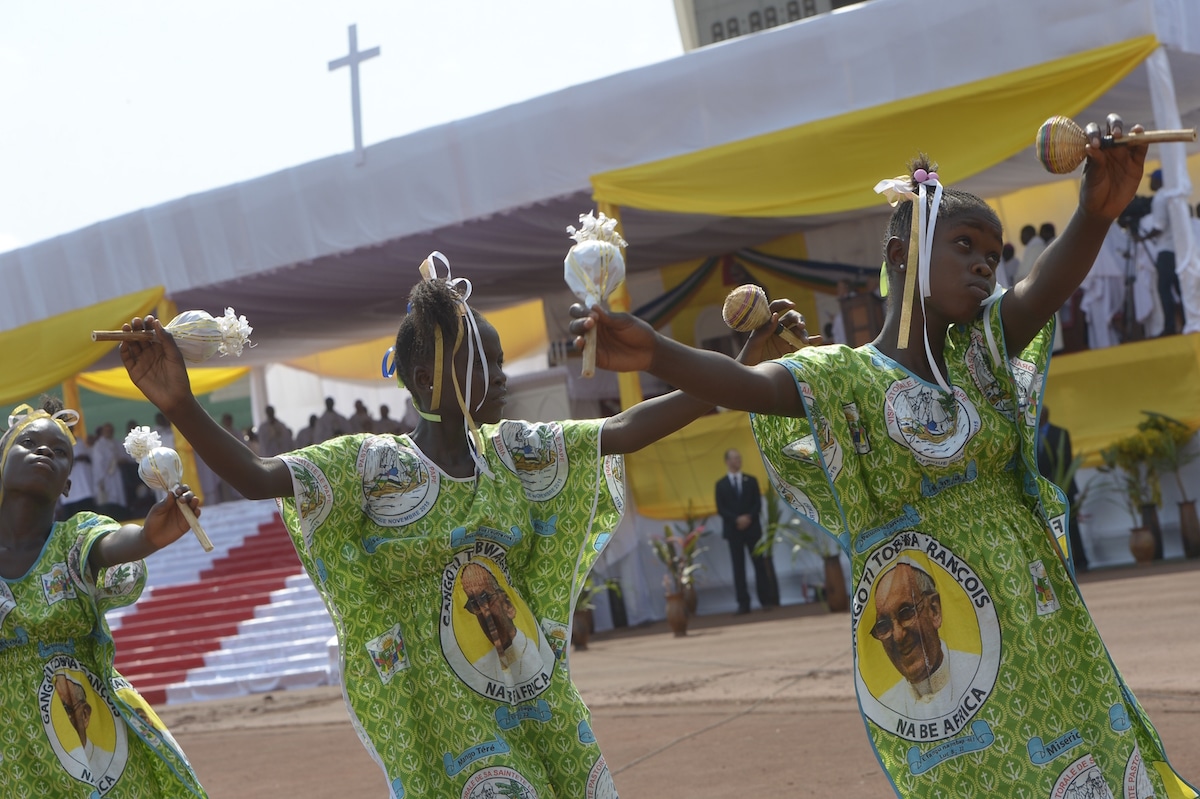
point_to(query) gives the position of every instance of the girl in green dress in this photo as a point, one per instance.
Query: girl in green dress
(73, 727)
(978, 669)
(449, 558)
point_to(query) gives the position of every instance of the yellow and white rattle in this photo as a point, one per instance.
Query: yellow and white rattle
(593, 268)
(160, 468)
(199, 335)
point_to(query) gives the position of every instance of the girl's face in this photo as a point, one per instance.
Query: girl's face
(39, 460)
(495, 393)
(966, 251)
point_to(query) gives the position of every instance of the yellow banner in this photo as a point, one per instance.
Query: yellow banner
(833, 164)
(522, 330)
(1099, 395)
(41, 355)
(116, 383)
(676, 477)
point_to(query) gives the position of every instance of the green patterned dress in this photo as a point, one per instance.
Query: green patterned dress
(73, 727)
(984, 676)
(452, 601)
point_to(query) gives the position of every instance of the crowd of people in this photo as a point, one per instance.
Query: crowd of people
(1132, 291)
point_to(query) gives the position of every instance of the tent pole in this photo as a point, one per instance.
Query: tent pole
(629, 383)
(258, 395)
(1178, 186)
(72, 400)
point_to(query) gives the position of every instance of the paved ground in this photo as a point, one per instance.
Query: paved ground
(759, 705)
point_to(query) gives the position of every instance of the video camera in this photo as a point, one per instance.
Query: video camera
(1130, 218)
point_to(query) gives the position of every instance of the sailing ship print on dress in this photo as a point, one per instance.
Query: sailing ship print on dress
(936, 426)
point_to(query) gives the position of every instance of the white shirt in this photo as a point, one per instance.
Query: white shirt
(1033, 251)
(940, 693)
(520, 663)
(1162, 220)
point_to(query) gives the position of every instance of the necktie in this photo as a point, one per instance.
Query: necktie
(737, 484)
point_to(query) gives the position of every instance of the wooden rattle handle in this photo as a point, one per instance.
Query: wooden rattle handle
(201, 536)
(589, 354)
(796, 341)
(122, 335)
(1149, 137)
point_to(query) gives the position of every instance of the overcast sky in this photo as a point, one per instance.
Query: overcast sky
(110, 107)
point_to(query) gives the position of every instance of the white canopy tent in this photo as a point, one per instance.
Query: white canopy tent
(322, 254)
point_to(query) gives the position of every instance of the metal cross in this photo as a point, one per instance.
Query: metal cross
(352, 60)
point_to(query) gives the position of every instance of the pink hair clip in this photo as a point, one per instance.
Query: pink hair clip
(922, 176)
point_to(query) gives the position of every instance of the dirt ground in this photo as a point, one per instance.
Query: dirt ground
(759, 705)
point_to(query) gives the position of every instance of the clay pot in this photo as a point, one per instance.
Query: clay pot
(1141, 544)
(690, 599)
(1189, 528)
(581, 628)
(1150, 522)
(835, 585)
(677, 617)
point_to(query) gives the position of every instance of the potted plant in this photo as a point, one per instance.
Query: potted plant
(1173, 453)
(1132, 466)
(803, 538)
(678, 554)
(582, 623)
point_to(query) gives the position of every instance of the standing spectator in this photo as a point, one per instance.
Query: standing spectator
(1168, 280)
(1009, 266)
(307, 436)
(330, 424)
(81, 490)
(166, 433)
(361, 421)
(1054, 457)
(739, 504)
(386, 424)
(1033, 245)
(274, 437)
(106, 473)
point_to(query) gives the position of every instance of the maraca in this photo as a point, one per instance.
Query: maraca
(199, 335)
(746, 309)
(594, 266)
(1061, 143)
(160, 468)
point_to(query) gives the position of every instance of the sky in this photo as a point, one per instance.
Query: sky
(107, 108)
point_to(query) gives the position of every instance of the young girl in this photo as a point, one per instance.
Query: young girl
(73, 727)
(978, 669)
(449, 558)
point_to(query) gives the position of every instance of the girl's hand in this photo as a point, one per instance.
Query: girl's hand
(156, 367)
(624, 343)
(1110, 176)
(165, 523)
(764, 344)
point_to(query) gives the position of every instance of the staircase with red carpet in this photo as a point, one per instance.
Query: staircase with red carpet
(193, 608)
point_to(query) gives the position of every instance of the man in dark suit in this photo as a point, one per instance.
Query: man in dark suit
(1054, 456)
(739, 504)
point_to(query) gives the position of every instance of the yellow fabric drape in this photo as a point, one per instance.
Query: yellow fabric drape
(966, 128)
(41, 355)
(1099, 395)
(522, 330)
(676, 476)
(116, 383)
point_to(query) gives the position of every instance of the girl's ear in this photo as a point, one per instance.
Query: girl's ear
(422, 378)
(897, 251)
(67, 488)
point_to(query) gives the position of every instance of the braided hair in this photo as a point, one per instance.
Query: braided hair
(432, 305)
(954, 202)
